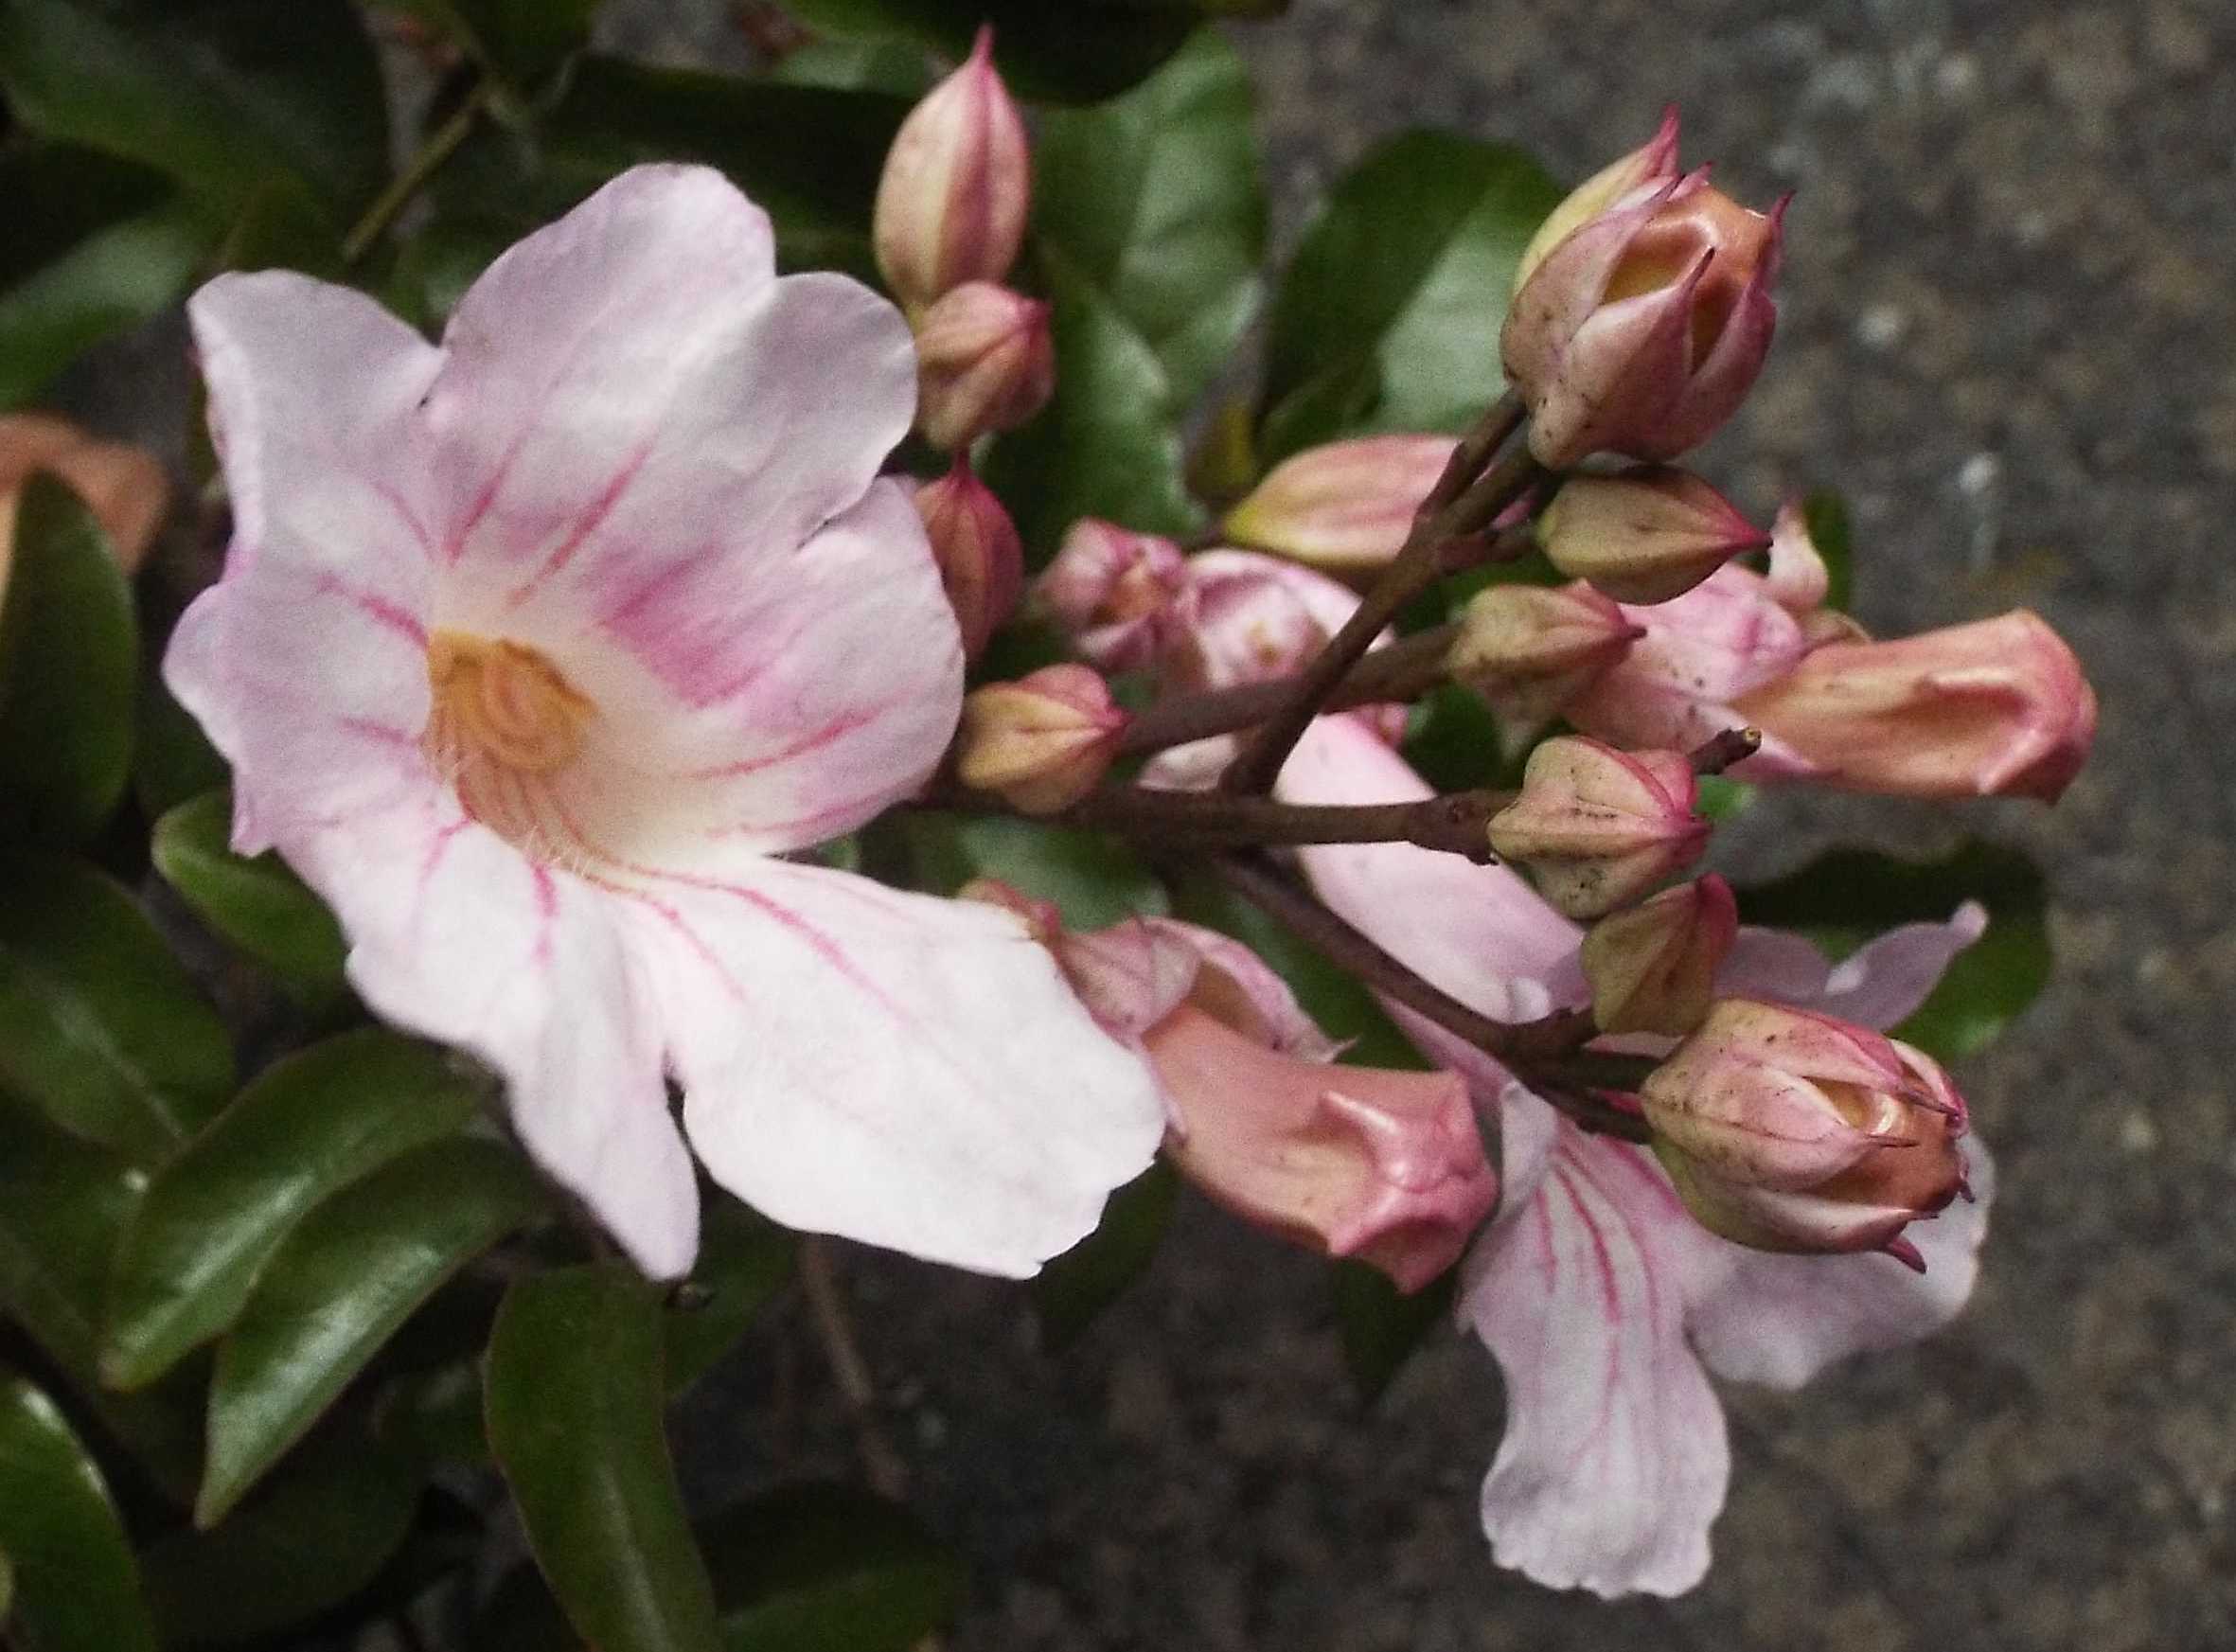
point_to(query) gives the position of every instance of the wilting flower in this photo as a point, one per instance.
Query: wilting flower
(1600, 827)
(1121, 597)
(1644, 327)
(123, 485)
(1605, 1303)
(1345, 508)
(537, 651)
(981, 563)
(1530, 649)
(957, 186)
(1042, 743)
(988, 363)
(1645, 536)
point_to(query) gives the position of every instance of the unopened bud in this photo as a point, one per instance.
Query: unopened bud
(957, 186)
(1644, 329)
(981, 561)
(1653, 161)
(1254, 617)
(1798, 582)
(986, 362)
(1652, 968)
(1599, 827)
(1345, 508)
(1997, 708)
(1646, 536)
(1122, 596)
(1041, 743)
(1530, 649)
(123, 486)
(1789, 1130)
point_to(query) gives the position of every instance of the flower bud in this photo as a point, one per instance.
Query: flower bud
(1345, 508)
(1653, 163)
(1041, 743)
(1384, 1167)
(1599, 827)
(1646, 536)
(957, 184)
(1643, 329)
(1996, 708)
(1253, 618)
(1789, 1130)
(1122, 596)
(985, 360)
(1799, 581)
(981, 561)
(123, 486)
(1530, 649)
(1653, 968)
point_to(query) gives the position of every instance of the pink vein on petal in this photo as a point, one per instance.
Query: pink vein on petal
(379, 609)
(586, 525)
(838, 728)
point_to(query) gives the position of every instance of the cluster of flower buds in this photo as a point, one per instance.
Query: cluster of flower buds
(123, 486)
(946, 228)
(1787, 1130)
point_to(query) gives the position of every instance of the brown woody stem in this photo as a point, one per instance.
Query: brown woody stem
(1403, 671)
(1732, 746)
(1455, 824)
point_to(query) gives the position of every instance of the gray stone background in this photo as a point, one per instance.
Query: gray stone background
(2006, 332)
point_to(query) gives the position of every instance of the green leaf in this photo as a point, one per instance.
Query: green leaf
(522, 43)
(1076, 53)
(258, 904)
(1825, 513)
(94, 246)
(1381, 1327)
(744, 1260)
(172, 759)
(1094, 879)
(316, 1535)
(1453, 739)
(1388, 316)
(575, 1392)
(69, 665)
(1844, 898)
(892, 66)
(215, 1216)
(100, 1029)
(6, 1588)
(342, 1284)
(232, 97)
(1155, 198)
(829, 1569)
(75, 1587)
(1076, 1286)
(1333, 998)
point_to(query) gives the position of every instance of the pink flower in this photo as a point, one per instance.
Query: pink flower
(1121, 597)
(537, 651)
(1605, 1304)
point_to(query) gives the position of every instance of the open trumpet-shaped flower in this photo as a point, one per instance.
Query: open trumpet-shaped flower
(535, 653)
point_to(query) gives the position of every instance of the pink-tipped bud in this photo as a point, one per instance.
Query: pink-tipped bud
(1345, 508)
(1653, 161)
(1646, 536)
(1599, 827)
(1530, 649)
(123, 486)
(986, 362)
(1652, 968)
(1122, 597)
(957, 186)
(1789, 1130)
(1041, 743)
(1387, 1167)
(1997, 708)
(981, 560)
(1644, 329)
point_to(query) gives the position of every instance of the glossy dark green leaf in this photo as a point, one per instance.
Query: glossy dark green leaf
(1826, 513)
(1110, 443)
(744, 1258)
(232, 97)
(172, 761)
(575, 1396)
(6, 1588)
(94, 246)
(1388, 316)
(1094, 879)
(1074, 1288)
(1452, 741)
(100, 1029)
(1155, 198)
(315, 1534)
(340, 1287)
(69, 670)
(215, 1215)
(1381, 1327)
(1344, 1008)
(258, 904)
(522, 42)
(895, 67)
(829, 1569)
(1844, 898)
(76, 1586)
(1075, 53)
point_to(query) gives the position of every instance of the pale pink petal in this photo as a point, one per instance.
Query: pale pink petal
(1614, 1460)
(1879, 984)
(1250, 994)
(1131, 975)
(904, 1071)
(455, 935)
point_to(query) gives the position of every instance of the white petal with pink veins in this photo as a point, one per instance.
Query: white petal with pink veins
(1879, 984)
